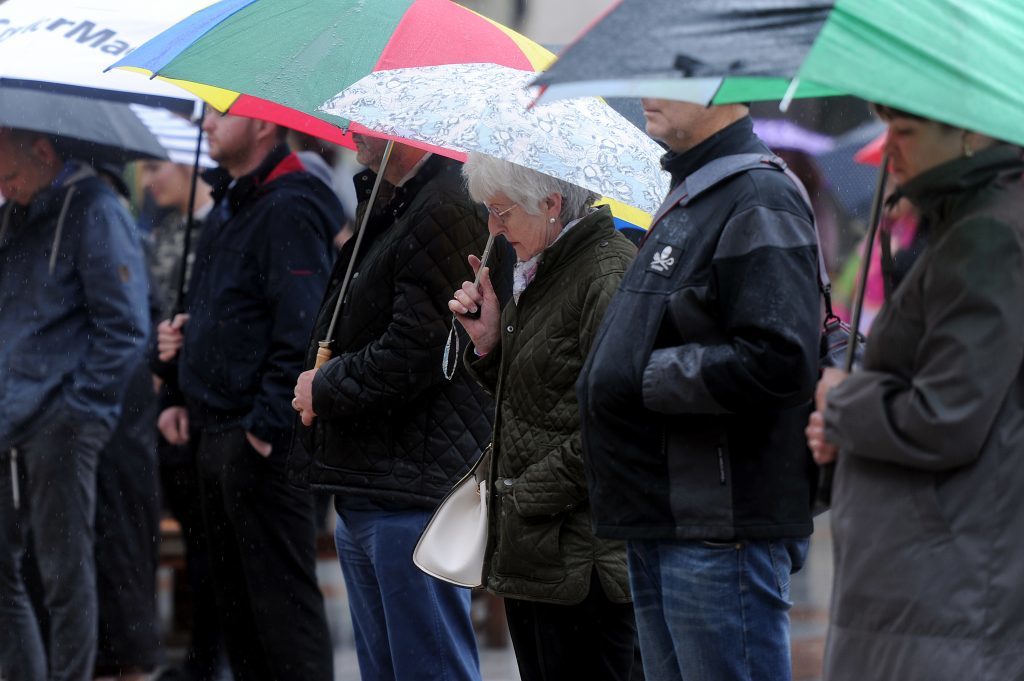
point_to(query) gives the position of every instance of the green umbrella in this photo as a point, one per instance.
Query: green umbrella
(956, 61)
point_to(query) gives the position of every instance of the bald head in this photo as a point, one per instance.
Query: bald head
(28, 163)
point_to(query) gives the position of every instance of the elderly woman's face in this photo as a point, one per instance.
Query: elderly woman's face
(915, 146)
(528, 234)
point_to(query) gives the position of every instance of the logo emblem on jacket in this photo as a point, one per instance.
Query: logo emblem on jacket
(663, 260)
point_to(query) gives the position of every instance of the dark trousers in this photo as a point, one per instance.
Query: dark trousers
(263, 554)
(127, 535)
(53, 478)
(179, 478)
(593, 640)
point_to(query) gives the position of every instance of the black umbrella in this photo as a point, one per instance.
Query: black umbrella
(92, 130)
(657, 40)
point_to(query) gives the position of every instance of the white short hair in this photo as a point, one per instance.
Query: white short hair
(486, 176)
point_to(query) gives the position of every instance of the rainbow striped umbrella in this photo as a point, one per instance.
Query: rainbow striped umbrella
(279, 60)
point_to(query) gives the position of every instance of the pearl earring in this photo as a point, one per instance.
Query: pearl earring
(551, 220)
(968, 151)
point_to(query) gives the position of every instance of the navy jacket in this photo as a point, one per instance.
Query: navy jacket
(261, 266)
(73, 304)
(697, 390)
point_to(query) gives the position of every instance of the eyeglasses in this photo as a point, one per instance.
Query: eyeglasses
(500, 214)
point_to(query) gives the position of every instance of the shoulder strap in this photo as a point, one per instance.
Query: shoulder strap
(722, 169)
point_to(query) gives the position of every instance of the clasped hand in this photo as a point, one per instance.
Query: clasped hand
(484, 329)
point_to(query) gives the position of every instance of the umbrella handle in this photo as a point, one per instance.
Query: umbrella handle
(322, 355)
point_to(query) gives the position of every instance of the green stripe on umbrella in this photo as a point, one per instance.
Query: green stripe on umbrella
(280, 59)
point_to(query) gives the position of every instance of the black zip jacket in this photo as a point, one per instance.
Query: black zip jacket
(390, 429)
(261, 265)
(696, 393)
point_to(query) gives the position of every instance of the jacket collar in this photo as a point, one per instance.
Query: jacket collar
(589, 229)
(944, 190)
(736, 138)
(280, 161)
(398, 198)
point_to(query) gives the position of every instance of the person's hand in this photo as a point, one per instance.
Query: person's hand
(824, 452)
(173, 425)
(483, 330)
(303, 400)
(169, 337)
(830, 378)
(263, 448)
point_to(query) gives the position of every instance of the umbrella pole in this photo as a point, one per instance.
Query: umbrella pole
(324, 352)
(862, 283)
(826, 472)
(179, 301)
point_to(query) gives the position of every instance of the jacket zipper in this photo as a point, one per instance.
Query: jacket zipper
(721, 465)
(15, 491)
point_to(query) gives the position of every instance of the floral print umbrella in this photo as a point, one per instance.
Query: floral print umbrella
(486, 108)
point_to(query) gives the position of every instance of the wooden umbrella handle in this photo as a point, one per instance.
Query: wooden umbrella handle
(322, 355)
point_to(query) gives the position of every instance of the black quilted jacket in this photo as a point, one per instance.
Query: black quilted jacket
(542, 545)
(390, 427)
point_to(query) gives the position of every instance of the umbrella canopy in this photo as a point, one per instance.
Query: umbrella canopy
(64, 45)
(96, 131)
(295, 54)
(704, 51)
(779, 133)
(485, 108)
(175, 134)
(871, 153)
(955, 61)
(852, 182)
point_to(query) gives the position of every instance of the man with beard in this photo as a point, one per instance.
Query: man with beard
(261, 265)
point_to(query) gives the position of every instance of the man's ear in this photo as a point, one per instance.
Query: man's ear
(42, 149)
(266, 130)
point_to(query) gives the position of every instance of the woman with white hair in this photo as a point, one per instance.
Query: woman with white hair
(567, 595)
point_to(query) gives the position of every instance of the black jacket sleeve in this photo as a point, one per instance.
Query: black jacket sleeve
(764, 276)
(405, 360)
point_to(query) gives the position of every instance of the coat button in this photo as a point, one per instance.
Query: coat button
(603, 244)
(510, 328)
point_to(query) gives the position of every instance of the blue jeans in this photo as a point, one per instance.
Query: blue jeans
(55, 488)
(714, 612)
(407, 624)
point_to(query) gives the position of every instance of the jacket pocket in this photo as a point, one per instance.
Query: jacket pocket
(529, 549)
(700, 474)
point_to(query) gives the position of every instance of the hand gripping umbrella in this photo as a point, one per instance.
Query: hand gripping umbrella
(486, 108)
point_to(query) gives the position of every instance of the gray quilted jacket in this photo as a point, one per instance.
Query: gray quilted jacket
(542, 546)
